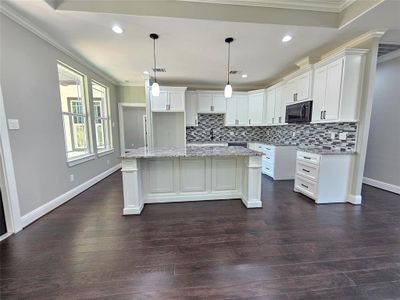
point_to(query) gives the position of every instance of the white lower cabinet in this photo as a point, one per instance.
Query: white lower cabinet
(278, 162)
(323, 178)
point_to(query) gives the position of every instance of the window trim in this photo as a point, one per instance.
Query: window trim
(90, 154)
(109, 135)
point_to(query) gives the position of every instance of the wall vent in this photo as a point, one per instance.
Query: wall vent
(159, 70)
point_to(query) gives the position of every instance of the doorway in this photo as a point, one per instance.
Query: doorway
(132, 123)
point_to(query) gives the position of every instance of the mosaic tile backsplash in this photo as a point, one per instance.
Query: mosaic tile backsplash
(304, 134)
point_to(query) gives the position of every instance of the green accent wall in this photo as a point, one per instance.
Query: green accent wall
(131, 94)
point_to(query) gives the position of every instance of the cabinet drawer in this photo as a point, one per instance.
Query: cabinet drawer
(306, 187)
(268, 149)
(267, 170)
(307, 170)
(309, 157)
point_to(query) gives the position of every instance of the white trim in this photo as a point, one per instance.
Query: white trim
(49, 206)
(382, 185)
(389, 56)
(354, 199)
(4, 236)
(24, 22)
(81, 159)
(105, 152)
(121, 106)
(10, 199)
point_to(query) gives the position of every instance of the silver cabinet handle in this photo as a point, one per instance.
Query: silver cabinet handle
(249, 121)
(324, 114)
(212, 107)
(306, 186)
(280, 118)
(273, 119)
(305, 170)
(306, 157)
(321, 114)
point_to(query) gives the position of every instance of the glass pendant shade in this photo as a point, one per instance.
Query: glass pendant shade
(155, 89)
(228, 91)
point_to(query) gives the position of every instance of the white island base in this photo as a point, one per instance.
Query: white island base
(180, 179)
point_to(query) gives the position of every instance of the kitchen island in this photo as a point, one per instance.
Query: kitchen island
(193, 173)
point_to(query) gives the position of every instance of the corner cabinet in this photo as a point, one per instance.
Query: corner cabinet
(191, 109)
(256, 107)
(337, 87)
(237, 109)
(171, 99)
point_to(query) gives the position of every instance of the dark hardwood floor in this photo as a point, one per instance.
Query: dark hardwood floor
(290, 249)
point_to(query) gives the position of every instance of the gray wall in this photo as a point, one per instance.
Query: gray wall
(29, 81)
(383, 152)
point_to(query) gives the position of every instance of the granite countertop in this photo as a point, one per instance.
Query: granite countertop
(326, 151)
(258, 142)
(191, 151)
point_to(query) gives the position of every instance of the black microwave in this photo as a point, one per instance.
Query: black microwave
(299, 112)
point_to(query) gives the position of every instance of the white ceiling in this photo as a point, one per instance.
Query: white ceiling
(314, 5)
(193, 51)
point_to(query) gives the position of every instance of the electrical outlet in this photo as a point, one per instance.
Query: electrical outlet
(333, 135)
(71, 177)
(108, 161)
(343, 136)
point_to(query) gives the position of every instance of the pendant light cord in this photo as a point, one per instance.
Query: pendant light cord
(155, 64)
(229, 59)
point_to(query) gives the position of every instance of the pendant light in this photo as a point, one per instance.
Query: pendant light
(155, 88)
(228, 87)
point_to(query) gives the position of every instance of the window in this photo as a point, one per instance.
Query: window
(102, 120)
(75, 118)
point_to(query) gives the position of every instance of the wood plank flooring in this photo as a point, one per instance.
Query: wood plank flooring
(290, 249)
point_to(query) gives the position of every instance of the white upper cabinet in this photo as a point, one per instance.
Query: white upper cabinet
(171, 99)
(280, 105)
(237, 109)
(270, 109)
(256, 107)
(299, 88)
(337, 87)
(191, 109)
(211, 102)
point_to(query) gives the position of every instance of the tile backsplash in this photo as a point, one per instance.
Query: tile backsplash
(293, 134)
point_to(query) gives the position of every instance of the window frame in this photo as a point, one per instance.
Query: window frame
(107, 132)
(89, 155)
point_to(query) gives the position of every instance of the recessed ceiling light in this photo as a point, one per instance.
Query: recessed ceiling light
(287, 38)
(244, 76)
(117, 29)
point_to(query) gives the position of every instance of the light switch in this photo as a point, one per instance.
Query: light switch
(343, 136)
(333, 135)
(13, 124)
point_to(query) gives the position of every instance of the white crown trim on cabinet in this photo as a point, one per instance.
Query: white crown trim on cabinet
(382, 185)
(27, 24)
(49, 206)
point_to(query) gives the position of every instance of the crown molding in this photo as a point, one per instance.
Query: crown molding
(389, 56)
(319, 6)
(27, 24)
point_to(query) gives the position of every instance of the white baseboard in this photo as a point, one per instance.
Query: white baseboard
(49, 206)
(382, 185)
(354, 199)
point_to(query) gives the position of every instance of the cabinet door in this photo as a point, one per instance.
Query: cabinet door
(278, 106)
(219, 103)
(319, 92)
(204, 103)
(242, 109)
(191, 109)
(256, 109)
(176, 101)
(283, 106)
(270, 115)
(291, 88)
(303, 86)
(230, 117)
(333, 90)
(159, 103)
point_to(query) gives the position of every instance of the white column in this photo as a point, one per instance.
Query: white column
(252, 195)
(133, 200)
